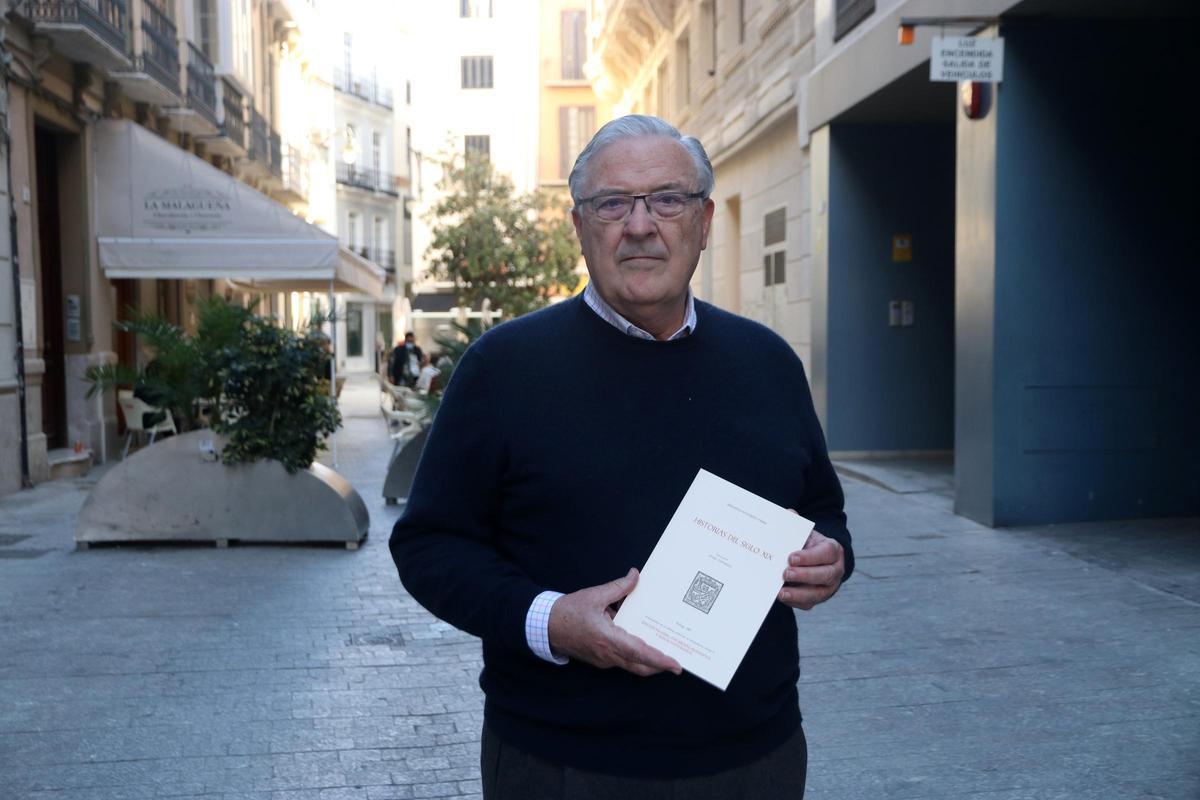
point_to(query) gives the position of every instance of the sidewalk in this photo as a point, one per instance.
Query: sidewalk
(1059, 662)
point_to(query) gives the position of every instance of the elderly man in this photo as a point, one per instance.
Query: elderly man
(564, 443)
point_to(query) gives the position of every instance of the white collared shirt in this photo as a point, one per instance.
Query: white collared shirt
(607, 313)
(537, 619)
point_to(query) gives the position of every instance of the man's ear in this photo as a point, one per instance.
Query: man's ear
(706, 216)
(577, 221)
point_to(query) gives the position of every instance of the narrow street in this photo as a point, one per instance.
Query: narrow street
(960, 661)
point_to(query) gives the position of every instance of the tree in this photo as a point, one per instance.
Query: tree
(516, 250)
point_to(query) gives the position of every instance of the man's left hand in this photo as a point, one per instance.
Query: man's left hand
(814, 573)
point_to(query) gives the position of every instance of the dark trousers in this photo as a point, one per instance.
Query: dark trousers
(510, 774)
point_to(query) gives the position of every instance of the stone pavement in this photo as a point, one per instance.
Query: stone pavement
(960, 662)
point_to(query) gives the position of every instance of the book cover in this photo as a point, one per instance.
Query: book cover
(711, 579)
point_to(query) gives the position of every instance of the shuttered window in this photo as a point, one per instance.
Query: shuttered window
(477, 72)
(576, 124)
(478, 145)
(574, 47)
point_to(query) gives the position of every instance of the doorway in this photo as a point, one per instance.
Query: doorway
(49, 227)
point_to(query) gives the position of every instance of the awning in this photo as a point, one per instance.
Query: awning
(352, 274)
(167, 214)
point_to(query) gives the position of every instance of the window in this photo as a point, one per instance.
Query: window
(848, 14)
(354, 330)
(379, 240)
(576, 124)
(408, 93)
(476, 72)
(478, 145)
(474, 8)
(347, 49)
(574, 46)
(376, 154)
(775, 247)
(683, 69)
(408, 239)
(352, 231)
(206, 26)
(741, 21)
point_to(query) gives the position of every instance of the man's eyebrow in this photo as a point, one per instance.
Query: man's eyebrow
(674, 186)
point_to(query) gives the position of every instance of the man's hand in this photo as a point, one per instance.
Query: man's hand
(581, 628)
(814, 573)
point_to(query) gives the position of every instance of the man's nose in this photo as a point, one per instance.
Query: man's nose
(640, 222)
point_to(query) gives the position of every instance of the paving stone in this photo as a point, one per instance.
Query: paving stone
(960, 662)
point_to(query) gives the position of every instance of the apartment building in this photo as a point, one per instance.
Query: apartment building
(478, 91)
(990, 273)
(143, 147)
(569, 111)
(371, 173)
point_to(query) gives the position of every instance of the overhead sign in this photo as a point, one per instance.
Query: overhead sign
(967, 58)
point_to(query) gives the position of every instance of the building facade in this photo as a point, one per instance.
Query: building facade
(372, 175)
(949, 261)
(186, 93)
(568, 110)
(477, 91)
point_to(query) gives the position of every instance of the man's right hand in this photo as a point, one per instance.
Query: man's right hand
(581, 628)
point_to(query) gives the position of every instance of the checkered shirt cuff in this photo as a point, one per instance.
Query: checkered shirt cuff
(537, 627)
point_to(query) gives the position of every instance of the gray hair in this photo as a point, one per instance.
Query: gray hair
(633, 125)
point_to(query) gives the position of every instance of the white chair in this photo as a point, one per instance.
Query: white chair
(133, 409)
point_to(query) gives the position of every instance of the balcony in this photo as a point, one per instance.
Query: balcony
(369, 179)
(92, 31)
(384, 258)
(376, 255)
(201, 84)
(155, 74)
(260, 146)
(231, 121)
(389, 184)
(362, 88)
(276, 145)
(353, 175)
(294, 176)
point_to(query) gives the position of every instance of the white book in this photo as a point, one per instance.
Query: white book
(716, 570)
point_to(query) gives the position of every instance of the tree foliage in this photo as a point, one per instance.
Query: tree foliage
(516, 250)
(266, 387)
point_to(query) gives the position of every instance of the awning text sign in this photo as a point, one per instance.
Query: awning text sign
(967, 58)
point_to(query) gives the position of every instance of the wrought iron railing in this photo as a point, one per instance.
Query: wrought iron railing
(384, 258)
(260, 147)
(201, 84)
(389, 184)
(363, 88)
(234, 124)
(353, 175)
(295, 172)
(276, 161)
(105, 18)
(160, 53)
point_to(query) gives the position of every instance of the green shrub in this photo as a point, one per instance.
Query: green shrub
(267, 386)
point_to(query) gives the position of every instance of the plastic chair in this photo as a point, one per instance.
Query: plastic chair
(133, 409)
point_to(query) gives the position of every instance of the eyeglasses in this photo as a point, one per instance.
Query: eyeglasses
(661, 205)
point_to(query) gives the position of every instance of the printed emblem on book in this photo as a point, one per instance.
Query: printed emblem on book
(703, 592)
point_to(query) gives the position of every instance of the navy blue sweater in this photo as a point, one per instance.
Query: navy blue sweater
(561, 450)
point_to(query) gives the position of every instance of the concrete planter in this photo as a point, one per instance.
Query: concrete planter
(402, 467)
(171, 491)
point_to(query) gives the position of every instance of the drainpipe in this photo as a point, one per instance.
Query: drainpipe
(19, 355)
